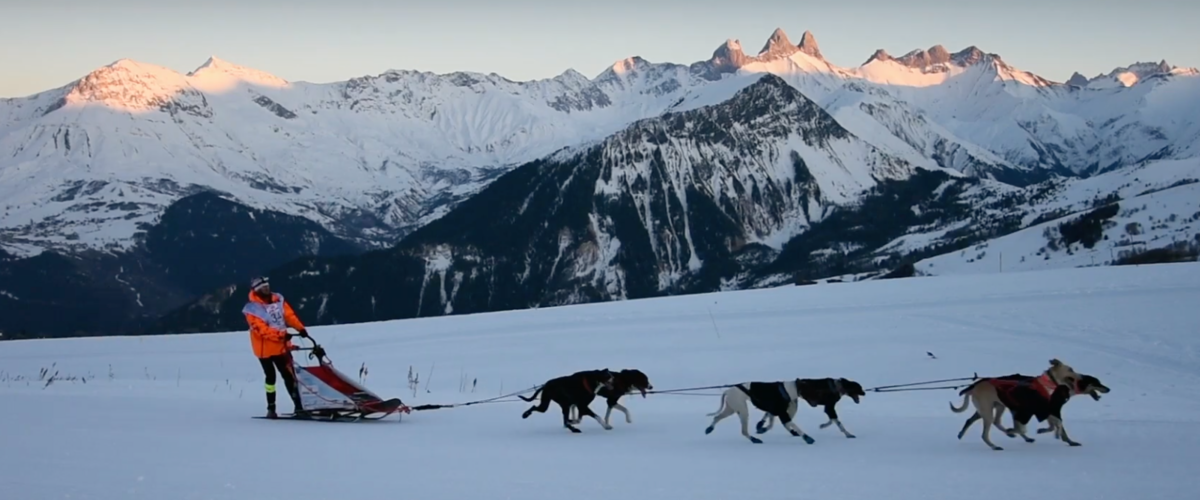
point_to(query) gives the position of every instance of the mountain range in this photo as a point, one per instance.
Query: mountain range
(155, 194)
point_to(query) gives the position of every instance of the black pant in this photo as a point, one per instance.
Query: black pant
(283, 364)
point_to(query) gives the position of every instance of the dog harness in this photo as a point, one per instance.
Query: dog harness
(1044, 385)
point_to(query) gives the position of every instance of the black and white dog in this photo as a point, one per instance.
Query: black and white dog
(575, 390)
(779, 399)
(822, 392)
(775, 398)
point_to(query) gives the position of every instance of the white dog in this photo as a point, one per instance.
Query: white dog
(775, 398)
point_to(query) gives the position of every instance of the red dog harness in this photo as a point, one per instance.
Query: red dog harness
(1044, 385)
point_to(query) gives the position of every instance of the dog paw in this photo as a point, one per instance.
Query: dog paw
(1072, 443)
(997, 448)
(851, 436)
(808, 439)
(755, 440)
(575, 431)
(1029, 440)
(608, 427)
(708, 430)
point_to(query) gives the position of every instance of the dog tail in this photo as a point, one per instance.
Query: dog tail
(965, 401)
(971, 387)
(719, 409)
(531, 397)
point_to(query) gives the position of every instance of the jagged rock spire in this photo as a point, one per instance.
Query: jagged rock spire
(808, 45)
(777, 44)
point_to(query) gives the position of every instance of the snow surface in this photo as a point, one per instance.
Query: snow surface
(168, 416)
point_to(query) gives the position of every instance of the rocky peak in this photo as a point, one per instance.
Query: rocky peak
(879, 55)
(1078, 80)
(629, 65)
(808, 45)
(925, 58)
(729, 56)
(935, 56)
(778, 46)
(968, 56)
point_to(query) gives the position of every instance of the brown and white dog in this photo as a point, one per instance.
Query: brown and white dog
(1043, 397)
(623, 382)
(1087, 384)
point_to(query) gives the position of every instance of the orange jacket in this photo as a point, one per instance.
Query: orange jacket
(268, 324)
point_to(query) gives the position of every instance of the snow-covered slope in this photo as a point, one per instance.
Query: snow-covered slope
(88, 164)
(169, 416)
(367, 158)
(1157, 219)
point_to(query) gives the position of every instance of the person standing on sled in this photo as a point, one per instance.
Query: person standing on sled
(269, 316)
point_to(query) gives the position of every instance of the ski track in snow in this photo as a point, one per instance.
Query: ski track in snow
(173, 421)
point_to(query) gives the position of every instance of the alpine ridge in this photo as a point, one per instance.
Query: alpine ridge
(649, 178)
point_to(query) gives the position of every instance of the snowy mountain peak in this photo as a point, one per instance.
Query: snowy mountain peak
(1135, 73)
(808, 45)
(629, 65)
(936, 65)
(217, 75)
(129, 85)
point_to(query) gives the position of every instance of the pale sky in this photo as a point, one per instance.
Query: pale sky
(49, 43)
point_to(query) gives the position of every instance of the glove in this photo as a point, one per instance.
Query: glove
(304, 333)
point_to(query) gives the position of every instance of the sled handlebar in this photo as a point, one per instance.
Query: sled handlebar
(315, 352)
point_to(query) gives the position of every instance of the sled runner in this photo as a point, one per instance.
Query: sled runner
(328, 394)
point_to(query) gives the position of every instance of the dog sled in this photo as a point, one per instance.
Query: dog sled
(328, 394)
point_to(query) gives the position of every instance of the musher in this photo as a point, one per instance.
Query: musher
(269, 316)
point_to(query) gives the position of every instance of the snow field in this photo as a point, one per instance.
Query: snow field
(173, 421)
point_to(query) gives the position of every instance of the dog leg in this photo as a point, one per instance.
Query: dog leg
(588, 412)
(720, 415)
(988, 422)
(967, 425)
(1057, 423)
(541, 407)
(566, 413)
(791, 426)
(744, 416)
(1018, 429)
(765, 424)
(628, 419)
(733, 401)
(831, 412)
(998, 418)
